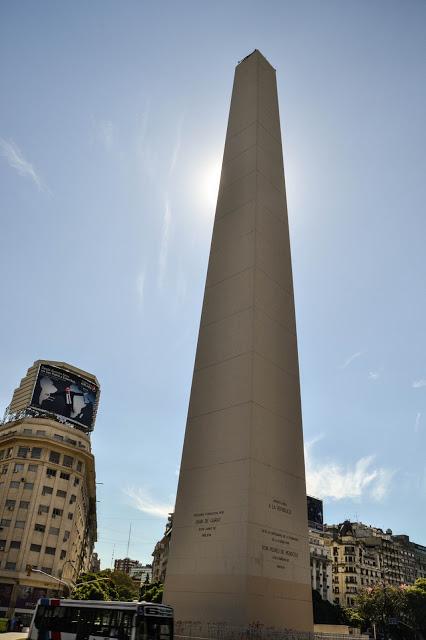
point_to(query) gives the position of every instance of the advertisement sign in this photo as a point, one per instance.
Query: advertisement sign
(315, 514)
(66, 395)
(5, 593)
(28, 597)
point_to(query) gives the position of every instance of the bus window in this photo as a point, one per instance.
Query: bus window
(154, 630)
(52, 618)
(111, 623)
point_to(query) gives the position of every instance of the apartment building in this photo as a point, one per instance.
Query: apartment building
(47, 486)
(161, 553)
(321, 564)
(364, 556)
(126, 565)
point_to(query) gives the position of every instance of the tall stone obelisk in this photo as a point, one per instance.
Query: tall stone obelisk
(239, 549)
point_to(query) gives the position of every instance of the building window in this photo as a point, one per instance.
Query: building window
(54, 531)
(57, 512)
(50, 551)
(15, 544)
(63, 554)
(51, 473)
(43, 509)
(46, 491)
(14, 484)
(36, 453)
(5, 522)
(70, 516)
(19, 524)
(2, 452)
(61, 494)
(76, 481)
(73, 498)
(22, 452)
(24, 504)
(39, 527)
(68, 461)
(64, 475)
(32, 467)
(79, 466)
(4, 469)
(40, 432)
(2, 545)
(28, 431)
(9, 452)
(54, 457)
(10, 504)
(66, 535)
(47, 570)
(18, 468)
(35, 547)
(10, 566)
(29, 485)
(58, 437)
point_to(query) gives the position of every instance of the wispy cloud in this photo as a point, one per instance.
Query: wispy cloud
(337, 482)
(164, 243)
(417, 422)
(418, 384)
(143, 501)
(140, 285)
(181, 287)
(373, 375)
(147, 151)
(350, 359)
(16, 160)
(176, 148)
(105, 133)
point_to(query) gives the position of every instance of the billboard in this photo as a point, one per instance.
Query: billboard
(5, 594)
(27, 597)
(66, 395)
(315, 514)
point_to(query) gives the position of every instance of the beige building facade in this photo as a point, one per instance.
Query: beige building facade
(364, 556)
(47, 501)
(321, 565)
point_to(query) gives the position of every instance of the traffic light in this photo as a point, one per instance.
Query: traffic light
(28, 569)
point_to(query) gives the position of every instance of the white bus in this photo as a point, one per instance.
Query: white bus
(56, 619)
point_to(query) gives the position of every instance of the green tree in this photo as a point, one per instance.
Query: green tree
(382, 603)
(325, 612)
(127, 589)
(415, 601)
(152, 592)
(354, 618)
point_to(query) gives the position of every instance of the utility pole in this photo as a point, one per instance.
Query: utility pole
(128, 541)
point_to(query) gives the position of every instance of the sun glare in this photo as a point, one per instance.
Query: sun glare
(209, 178)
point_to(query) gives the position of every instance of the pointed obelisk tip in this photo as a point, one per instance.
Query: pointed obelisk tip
(259, 55)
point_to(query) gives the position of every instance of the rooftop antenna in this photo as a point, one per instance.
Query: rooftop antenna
(128, 541)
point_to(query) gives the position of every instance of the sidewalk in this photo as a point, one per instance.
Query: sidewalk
(13, 635)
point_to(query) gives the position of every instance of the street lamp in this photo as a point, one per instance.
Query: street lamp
(31, 570)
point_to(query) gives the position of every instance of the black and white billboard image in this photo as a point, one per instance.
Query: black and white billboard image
(66, 395)
(315, 513)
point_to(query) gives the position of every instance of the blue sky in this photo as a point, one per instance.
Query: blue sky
(112, 124)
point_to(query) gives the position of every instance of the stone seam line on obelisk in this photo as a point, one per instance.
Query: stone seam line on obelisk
(239, 548)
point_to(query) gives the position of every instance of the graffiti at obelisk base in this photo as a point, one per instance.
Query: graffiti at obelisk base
(239, 549)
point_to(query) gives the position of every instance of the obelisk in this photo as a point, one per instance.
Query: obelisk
(239, 547)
